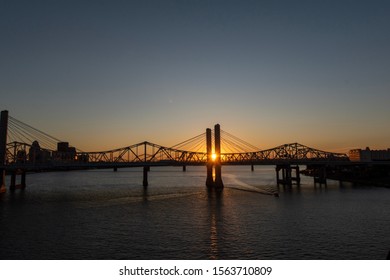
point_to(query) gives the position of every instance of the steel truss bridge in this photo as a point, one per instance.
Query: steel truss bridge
(25, 148)
(146, 153)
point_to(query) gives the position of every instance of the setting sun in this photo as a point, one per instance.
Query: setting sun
(213, 156)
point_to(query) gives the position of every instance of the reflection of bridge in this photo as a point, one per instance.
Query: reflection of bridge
(24, 148)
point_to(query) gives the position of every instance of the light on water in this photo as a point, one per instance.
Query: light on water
(101, 214)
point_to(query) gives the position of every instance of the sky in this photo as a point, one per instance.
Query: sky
(108, 74)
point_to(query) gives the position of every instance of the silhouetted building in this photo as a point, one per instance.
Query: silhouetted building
(62, 147)
(369, 155)
(35, 155)
(64, 152)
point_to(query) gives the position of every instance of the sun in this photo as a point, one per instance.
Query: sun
(213, 156)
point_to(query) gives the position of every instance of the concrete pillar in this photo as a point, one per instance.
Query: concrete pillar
(209, 164)
(297, 177)
(217, 163)
(252, 167)
(320, 175)
(184, 168)
(2, 180)
(12, 185)
(145, 180)
(115, 169)
(286, 175)
(3, 147)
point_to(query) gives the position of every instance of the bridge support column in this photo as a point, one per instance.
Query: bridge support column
(252, 167)
(115, 169)
(3, 148)
(145, 180)
(320, 175)
(209, 165)
(2, 181)
(217, 164)
(13, 185)
(286, 175)
(297, 177)
(184, 168)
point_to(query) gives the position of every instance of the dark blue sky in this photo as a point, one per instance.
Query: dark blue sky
(271, 72)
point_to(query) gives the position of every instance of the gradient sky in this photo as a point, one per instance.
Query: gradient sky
(107, 74)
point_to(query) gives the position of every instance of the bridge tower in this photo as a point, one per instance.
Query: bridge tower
(216, 162)
(3, 148)
(209, 165)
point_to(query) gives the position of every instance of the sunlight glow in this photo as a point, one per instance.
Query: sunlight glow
(213, 156)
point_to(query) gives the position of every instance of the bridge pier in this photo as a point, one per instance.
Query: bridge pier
(320, 175)
(2, 181)
(297, 177)
(145, 180)
(184, 168)
(287, 175)
(13, 186)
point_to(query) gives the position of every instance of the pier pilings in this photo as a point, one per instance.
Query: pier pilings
(287, 177)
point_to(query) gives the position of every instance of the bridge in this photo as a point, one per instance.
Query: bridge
(24, 148)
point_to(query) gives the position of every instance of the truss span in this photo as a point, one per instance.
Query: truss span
(146, 152)
(30, 146)
(289, 153)
(149, 153)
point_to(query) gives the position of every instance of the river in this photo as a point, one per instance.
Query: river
(101, 214)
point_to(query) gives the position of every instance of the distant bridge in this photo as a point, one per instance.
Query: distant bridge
(157, 155)
(24, 148)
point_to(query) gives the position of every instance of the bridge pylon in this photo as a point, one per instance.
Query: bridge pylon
(3, 148)
(214, 162)
(209, 165)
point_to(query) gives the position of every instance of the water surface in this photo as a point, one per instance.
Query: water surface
(101, 214)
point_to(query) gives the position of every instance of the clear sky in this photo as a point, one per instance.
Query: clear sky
(106, 74)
